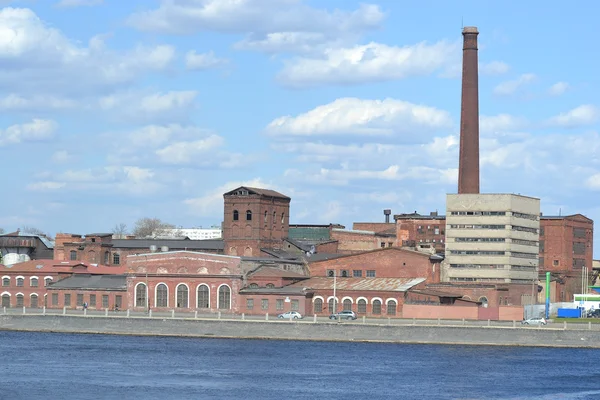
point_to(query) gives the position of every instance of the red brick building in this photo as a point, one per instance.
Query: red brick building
(414, 230)
(253, 219)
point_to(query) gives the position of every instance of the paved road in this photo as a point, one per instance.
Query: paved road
(310, 319)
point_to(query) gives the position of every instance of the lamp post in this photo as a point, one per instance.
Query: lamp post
(334, 290)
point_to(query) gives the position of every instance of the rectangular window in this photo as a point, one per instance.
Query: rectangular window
(579, 232)
(279, 304)
(579, 248)
(54, 299)
(104, 301)
(119, 301)
(357, 273)
(92, 300)
(5, 282)
(116, 259)
(67, 300)
(264, 304)
(330, 273)
(390, 244)
(79, 299)
(370, 273)
(382, 245)
(249, 304)
(295, 305)
(436, 231)
(33, 282)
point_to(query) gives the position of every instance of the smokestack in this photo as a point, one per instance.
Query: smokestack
(468, 164)
(387, 215)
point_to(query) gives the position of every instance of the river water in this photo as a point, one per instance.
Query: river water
(72, 366)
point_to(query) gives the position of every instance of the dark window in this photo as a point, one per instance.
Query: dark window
(249, 304)
(382, 245)
(116, 259)
(236, 215)
(391, 308)
(579, 232)
(20, 282)
(264, 304)
(119, 301)
(265, 217)
(578, 263)
(332, 306)
(362, 306)
(347, 305)
(376, 307)
(106, 257)
(274, 217)
(541, 231)
(579, 248)
(20, 300)
(344, 273)
(370, 273)
(270, 285)
(104, 301)
(295, 305)
(67, 300)
(541, 246)
(279, 304)
(248, 215)
(140, 295)
(54, 299)
(93, 240)
(6, 300)
(47, 281)
(541, 262)
(224, 298)
(203, 299)
(34, 301)
(357, 273)
(79, 299)
(318, 306)
(5, 282)
(253, 286)
(330, 273)
(92, 300)
(162, 294)
(182, 296)
(73, 255)
(34, 282)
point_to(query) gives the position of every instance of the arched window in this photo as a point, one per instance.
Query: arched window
(265, 217)
(270, 285)
(33, 282)
(203, 297)
(182, 296)
(141, 295)
(376, 307)
(253, 286)
(20, 302)
(282, 217)
(116, 259)
(248, 215)
(162, 295)
(347, 305)
(20, 281)
(330, 273)
(484, 301)
(391, 307)
(318, 306)
(362, 306)
(6, 281)
(6, 300)
(73, 255)
(34, 301)
(47, 281)
(236, 215)
(106, 257)
(274, 217)
(224, 297)
(344, 274)
(332, 306)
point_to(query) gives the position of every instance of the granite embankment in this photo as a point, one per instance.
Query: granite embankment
(279, 330)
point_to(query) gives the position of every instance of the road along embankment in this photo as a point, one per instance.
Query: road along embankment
(303, 330)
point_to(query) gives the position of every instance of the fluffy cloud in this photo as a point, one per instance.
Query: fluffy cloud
(558, 88)
(35, 103)
(585, 114)
(501, 123)
(510, 87)
(194, 61)
(155, 106)
(372, 62)
(38, 130)
(187, 152)
(494, 68)
(39, 59)
(361, 117)
(45, 186)
(593, 182)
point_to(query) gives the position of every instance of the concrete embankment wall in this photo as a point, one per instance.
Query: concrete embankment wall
(465, 335)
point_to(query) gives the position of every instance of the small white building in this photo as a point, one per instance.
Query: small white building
(199, 233)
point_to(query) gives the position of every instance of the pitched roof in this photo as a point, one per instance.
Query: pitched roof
(172, 244)
(260, 191)
(362, 284)
(315, 259)
(275, 272)
(91, 282)
(55, 266)
(48, 242)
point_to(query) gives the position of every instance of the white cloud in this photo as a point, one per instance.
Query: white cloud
(38, 130)
(494, 68)
(61, 156)
(361, 117)
(79, 3)
(373, 62)
(188, 152)
(558, 88)
(158, 135)
(194, 61)
(593, 182)
(16, 102)
(39, 59)
(500, 123)
(510, 87)
(259, 17)
(155, 106)
(585, 114)
(294, 42)
(45, 186)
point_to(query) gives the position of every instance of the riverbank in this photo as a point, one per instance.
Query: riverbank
(547, 336)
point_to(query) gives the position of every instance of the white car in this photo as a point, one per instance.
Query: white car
(290, 315)
(534, 321)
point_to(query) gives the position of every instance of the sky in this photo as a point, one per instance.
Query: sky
(114, 110)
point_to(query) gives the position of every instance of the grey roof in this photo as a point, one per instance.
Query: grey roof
(92, 282)
(272, 260)
(282, 290)
(49, 243)
(260, 191)
(99, 234)
(323, 256)
(173, 244)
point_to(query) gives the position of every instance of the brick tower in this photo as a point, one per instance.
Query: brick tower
(468, 164)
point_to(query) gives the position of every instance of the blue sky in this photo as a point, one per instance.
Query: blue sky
(115, 110)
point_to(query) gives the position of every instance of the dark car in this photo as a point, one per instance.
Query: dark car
(346, 314)
(594, 313)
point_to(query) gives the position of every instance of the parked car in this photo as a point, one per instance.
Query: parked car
(534, 321)
(345, 314)
(593, 313)
(290, 315)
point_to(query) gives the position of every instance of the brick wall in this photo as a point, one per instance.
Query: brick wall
(373, 226)
(563, 240)
(353, 242)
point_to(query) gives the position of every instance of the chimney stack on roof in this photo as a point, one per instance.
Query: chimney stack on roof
(387, 214)
(468, 164)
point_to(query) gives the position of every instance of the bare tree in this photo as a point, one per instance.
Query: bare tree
(119, 231)
(145, 227)
(33, 231)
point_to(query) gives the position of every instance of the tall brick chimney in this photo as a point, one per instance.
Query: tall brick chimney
(468, 164)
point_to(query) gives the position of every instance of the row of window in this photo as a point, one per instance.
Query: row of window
(20, 281)
(477, 226)
(182, 296)
(264, 304)
(517, 254)
(236, 216)
(91, 300)
(116, 257)
(532, 217)
(20, 300)
(361, 306)
(356, 273)
(494, 266)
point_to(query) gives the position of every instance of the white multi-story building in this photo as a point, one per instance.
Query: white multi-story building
(200, 233)
(491, 238)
